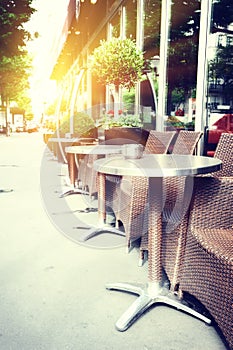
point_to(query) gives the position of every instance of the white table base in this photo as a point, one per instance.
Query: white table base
(102, 228)
(148, 295)
(73, 190)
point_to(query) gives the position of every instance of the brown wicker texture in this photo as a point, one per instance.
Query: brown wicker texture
(77, 164)
(175, 207)
(89, 180)
(224, 152)
(158, 142)
(81, 166)
(186, 142)
(207, 272)
(129, 197)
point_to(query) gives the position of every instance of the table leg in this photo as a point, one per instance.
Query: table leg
(102, 226)
(73, 172)
(157, 289)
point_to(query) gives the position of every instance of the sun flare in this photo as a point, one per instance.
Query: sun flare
(46, 27)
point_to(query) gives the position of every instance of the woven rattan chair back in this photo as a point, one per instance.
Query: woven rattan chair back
(129, 202)
(90, 175)
(158, 142)
(186, 142)
(224, 152)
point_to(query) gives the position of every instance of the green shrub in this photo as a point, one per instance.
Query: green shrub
(174, 122)
(83, 124)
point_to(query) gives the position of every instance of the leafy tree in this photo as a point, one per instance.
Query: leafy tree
(14, 61)
(13, 36)
(117, 62)
(221, 71)
(14, 80)
(222, 14)
(14, 74)
(51, 109)
(221, 67)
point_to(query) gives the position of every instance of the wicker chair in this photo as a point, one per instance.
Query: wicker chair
(129, 195)
(78, 167)
(207, 270)
(89, 175)
(186, 142)
(159, 142)
(174, 213)
(224, 152)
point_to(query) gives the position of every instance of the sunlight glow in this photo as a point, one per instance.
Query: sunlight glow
(48, 22)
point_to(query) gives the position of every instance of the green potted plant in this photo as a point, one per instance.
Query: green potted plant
(119, 63)
(125, 129)
(80, 125)
(173, 123)
(190, 125)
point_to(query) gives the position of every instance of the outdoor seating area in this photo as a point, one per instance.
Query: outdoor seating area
(116, 174)
(172, 204)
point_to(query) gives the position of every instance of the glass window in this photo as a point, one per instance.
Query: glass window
(130, 11)
(182, 58)
(152, 17)
(150, 47)
(220, 63)
(229, 40)
(115, 26)
(221, 40)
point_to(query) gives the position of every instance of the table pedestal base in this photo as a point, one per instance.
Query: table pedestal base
(149, 295)
(6, 190)
(92, 232)
(73, 191)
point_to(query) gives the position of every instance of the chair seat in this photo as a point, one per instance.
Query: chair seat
(216, 241)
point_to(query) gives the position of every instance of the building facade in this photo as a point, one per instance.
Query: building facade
(169, 35)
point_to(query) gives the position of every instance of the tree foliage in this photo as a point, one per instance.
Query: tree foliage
(14, 60)
(13, 36)
(117, 61)
(14, 73)
(221, 70)
(222, 14)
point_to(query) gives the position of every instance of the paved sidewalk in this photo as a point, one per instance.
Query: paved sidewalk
(52, 293)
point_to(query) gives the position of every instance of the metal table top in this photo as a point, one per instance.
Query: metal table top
(94, 149)
(158, 165)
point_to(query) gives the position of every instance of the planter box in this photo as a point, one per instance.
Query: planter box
(126, 135)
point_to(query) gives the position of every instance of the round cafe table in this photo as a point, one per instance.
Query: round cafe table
(155, 167)
(73, 153)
